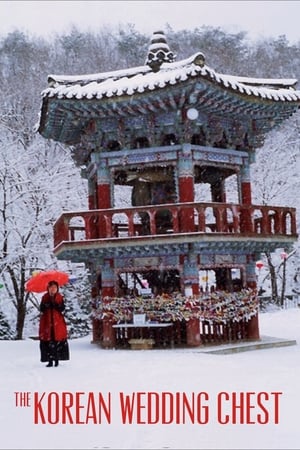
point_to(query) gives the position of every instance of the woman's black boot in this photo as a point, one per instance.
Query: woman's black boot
(56, 362)
(50, 364)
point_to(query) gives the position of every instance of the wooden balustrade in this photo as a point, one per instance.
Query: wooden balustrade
(213, 333)
(163, 219)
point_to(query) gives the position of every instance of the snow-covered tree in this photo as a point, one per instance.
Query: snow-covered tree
(275, 181)
(31, 181)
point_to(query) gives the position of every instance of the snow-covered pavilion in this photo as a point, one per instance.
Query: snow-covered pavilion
(167, 132)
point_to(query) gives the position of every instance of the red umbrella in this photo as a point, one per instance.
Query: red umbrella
(39, 282)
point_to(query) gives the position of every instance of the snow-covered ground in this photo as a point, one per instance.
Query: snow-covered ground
(266, 381)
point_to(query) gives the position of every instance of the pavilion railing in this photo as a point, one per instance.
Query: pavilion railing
(211, 333)
(175, 218)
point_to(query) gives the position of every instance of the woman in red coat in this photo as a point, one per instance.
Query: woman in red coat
(53, 330)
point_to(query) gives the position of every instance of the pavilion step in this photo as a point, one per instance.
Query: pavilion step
(264, 343)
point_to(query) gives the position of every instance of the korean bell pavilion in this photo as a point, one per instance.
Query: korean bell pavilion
(171, 236)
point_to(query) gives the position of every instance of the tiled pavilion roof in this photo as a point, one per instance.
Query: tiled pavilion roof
(160, 85)
(142, 79)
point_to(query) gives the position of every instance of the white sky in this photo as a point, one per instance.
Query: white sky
(258, 18)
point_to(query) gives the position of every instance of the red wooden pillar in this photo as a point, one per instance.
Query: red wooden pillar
(246, 200)
(92, 194)
(109, 334)
(186, 187)
(91, 226)
(246, 192)
(193, 332)
(96, 330)
(103, 196)
(253, 328)
(99, 197)
(253, 324)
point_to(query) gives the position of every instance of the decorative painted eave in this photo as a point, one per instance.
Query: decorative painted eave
(142, 79)
(166, 245)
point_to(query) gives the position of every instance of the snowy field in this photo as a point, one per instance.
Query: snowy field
(266, 380)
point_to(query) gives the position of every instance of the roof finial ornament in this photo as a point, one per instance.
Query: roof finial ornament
(159, 51)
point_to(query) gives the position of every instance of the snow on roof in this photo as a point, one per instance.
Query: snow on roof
(142, 79)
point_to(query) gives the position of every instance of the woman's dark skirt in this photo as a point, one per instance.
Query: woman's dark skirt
(54, 351)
